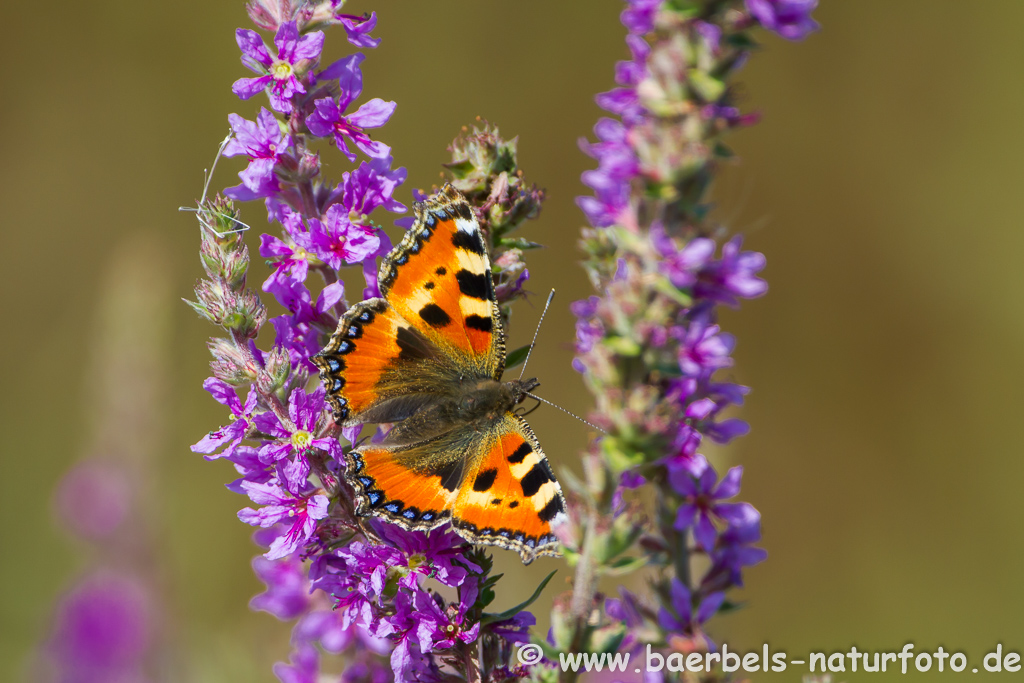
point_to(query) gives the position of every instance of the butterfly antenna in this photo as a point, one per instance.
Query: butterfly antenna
(536, 332)
(555, 405)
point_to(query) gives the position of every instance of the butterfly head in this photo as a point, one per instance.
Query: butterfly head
(518, 388)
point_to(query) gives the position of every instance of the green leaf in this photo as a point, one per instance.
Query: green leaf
(516, 357)
(460, 169)
(624, 565)
(509, 613)
(518, 243)
(708, 87)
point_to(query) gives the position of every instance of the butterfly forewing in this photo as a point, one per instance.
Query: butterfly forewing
(439, 279)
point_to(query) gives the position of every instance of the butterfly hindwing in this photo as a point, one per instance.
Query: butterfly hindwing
(509, 496)
(404, 484)
(495, 486)
(439, 279)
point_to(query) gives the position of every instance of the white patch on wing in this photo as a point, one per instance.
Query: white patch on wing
(470, 306)
(464, 225)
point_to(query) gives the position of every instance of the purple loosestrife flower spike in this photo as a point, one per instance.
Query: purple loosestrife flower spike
(649, 344)
(279, 76)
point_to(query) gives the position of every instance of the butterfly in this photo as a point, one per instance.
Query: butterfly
(427, 357)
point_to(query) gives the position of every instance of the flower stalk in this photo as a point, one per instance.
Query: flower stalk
(648, 343)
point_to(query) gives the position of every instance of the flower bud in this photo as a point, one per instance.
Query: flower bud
(276, 368)
(230, 365)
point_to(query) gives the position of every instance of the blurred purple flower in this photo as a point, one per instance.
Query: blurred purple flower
(102, 630)
(702, 494)
(277, 75)
(287, 594)
(93, 498)
(682, 618)
(638, 17)
(733, 276)
(304, 666)
(791, 19)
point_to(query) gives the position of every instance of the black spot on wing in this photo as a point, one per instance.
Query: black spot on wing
(496, 501)
(450, 474)
(538, 475)
(476, 285)
(429, 285)
(471, 242)
(514, 504)
(411, 345)
(485, 480)
(519, 454)
(477, 322)
(441, 271)
(553, 507)
(435, 316)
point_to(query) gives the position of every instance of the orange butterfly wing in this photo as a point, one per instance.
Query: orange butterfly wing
(371, 365)
(439, 279)
(496, 487)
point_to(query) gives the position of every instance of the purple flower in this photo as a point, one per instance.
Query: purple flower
(301, 512)
(287, 594)
(292, 443)
(682, 618)
(701, 497)
(304, 666)
(439, 553)
(330, 119)
(639, 16)
(291, 263)
(515, 629)
(681, 266)
(278, 76)
(94, 498)
(265, 144)
(791, 19)
(338, 241)
(358, 29)
(232, 433)
(441, 628)
(702, 349)
(371, 185)
(247, 463)
(735, 550)
(102, 630)
(733, 276)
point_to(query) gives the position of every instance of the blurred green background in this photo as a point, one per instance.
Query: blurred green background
(883, 184)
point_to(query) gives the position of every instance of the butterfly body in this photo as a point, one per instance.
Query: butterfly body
(427, 358)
